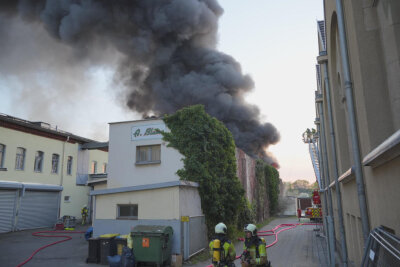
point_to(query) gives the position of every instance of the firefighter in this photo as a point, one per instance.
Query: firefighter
(221, 248)
(254, 251)
(84, 212)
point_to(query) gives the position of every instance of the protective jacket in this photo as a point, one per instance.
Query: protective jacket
(84, 211)
(255, 253)
(227, 251)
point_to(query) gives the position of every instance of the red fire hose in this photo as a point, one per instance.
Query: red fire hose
(275, 233)
(48, 245)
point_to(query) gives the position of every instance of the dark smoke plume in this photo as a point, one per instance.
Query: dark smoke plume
(167, 56)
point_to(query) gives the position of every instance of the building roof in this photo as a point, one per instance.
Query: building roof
(40, 128)
(143, 187)
(96, 145)
(152, 118)
(30, 186)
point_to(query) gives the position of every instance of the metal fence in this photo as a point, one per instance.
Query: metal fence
(383, 249)
(194, 235)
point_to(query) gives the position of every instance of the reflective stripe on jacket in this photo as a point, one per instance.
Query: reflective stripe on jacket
(262, 259)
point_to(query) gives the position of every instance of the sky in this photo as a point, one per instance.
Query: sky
(274, 41)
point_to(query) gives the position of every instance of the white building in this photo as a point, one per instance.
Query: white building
(43, 173)
(143, 188)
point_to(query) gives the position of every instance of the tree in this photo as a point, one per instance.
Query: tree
(209, 159)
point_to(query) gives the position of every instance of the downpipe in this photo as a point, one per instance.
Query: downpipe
(325, 191)
(335, 168)
(348, 87)
(331, 226)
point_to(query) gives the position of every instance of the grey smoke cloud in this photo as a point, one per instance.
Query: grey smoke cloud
(167, 57)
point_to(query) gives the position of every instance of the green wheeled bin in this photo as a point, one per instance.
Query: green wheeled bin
(152, 243)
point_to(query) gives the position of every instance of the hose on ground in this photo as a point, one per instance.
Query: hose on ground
(41, 234)
(275, 232)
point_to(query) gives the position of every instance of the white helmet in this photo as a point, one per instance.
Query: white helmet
(251, 228)
(220, 228)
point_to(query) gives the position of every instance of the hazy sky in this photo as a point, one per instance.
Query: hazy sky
(275, 42)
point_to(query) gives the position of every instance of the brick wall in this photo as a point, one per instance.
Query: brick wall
(246, 172)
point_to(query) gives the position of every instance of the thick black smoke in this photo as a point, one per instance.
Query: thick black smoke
(169, 57)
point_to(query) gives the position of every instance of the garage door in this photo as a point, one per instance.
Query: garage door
(38, 209)
(7, 209)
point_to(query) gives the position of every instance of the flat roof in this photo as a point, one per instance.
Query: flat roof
(37, 128)
(30, 186)
(143, 187)
(149, 119)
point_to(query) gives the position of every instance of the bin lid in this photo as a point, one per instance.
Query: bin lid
(109, 235)
(152, 229)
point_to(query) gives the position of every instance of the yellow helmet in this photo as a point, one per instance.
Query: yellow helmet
(220, 228)
(251, 228)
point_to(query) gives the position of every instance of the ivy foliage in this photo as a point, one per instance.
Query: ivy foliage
(209, 159)
(268, 178)
(261, 192)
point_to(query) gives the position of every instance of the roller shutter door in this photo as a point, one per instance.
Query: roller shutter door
(7, 209)
(38, 209)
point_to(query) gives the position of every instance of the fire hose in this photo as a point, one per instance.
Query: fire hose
(51, 244)
(275, 232)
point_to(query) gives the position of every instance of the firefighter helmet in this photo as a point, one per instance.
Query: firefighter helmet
(251, 228)
(220, 228)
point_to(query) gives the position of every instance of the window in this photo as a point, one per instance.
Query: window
(93, 168)
(2, 154)
(148, 154)
(69, 165)
(104, 167)
(38, 161)
(67, 199)
(127, 211)
(55, 158)
(20, 158)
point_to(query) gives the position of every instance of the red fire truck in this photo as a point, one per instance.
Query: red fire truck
(311, 206)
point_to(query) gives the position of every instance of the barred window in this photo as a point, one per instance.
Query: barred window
(55, 158)
(20, 158)
(148, 154)
(38, 161)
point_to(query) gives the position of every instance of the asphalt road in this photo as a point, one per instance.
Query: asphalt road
(16, 247)
(297, 247)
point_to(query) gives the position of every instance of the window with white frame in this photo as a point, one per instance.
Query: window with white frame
(2, 155)
(148, 154)
(93, 168)
(104, 167)
(20, 158)
(69, 165)
(127, 211)
(55, 159)
(67, 198)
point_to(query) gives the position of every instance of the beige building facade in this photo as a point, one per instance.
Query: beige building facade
(142, 188)
(358, 113)
(43, 173)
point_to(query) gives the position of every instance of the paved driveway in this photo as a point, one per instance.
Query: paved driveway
(16, 247)
(298, 247)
